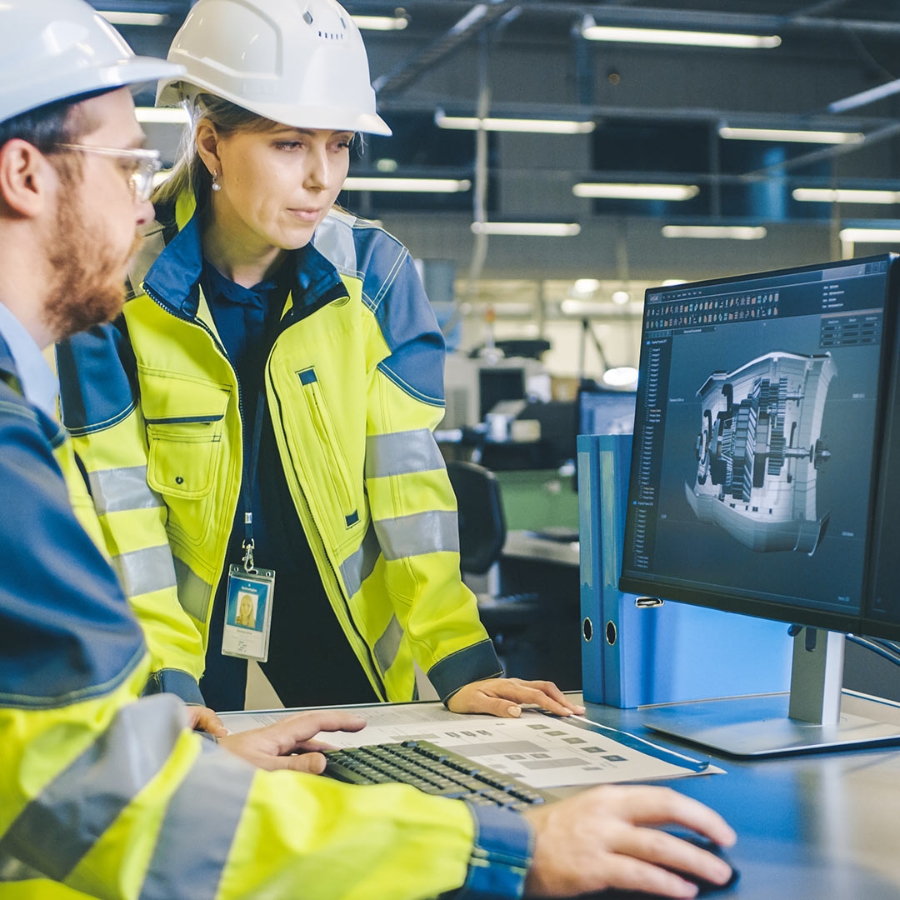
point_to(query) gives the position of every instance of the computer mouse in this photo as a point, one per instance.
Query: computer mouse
(704, 888)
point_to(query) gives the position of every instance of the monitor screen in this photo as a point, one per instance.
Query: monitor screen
(605, 412)
(498, 384)
(761, 410)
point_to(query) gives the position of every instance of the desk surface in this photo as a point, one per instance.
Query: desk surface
(532, 545)
(817, 826)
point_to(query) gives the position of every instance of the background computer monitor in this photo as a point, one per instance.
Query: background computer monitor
(605, 412)
(763, 405)
(499, 383)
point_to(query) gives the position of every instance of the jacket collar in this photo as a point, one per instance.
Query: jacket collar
(10, 381)
(8, 372)
(174, 278)
(23, 366)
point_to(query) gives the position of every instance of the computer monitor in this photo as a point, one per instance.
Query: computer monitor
(498, 383)
(605, 412)
(763, 480)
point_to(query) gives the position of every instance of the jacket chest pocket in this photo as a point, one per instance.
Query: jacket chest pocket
(185, 430)
(183, 455)
(334, 469)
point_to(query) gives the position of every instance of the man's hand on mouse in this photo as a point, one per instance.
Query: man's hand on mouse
(609, 837)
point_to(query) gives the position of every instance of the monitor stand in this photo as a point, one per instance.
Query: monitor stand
(807, 720)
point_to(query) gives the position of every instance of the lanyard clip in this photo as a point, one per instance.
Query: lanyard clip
(248, 556)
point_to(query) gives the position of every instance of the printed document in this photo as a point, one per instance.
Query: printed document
(543, 751)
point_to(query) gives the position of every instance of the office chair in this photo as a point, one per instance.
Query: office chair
(482, 534)
(482, 525)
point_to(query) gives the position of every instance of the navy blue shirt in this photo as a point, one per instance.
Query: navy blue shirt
(310, 662)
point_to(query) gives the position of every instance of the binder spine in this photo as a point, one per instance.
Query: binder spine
(592, 641)
(627, 653)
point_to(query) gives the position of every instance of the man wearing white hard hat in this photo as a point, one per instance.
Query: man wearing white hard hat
(282, 372)
(113, 796)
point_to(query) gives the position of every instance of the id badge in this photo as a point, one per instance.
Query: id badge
(248, 613)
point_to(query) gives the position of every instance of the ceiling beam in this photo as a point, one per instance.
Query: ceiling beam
(473, 22)
(705, 20)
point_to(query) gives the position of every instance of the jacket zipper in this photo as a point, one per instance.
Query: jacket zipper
(297, 315)
(335, 579)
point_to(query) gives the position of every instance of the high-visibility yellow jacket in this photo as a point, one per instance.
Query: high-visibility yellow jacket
(354, 384)
(114, 797)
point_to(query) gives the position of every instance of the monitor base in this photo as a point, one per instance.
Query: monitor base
(760, 726)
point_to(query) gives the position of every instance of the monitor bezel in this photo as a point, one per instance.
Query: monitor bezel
(888, 387)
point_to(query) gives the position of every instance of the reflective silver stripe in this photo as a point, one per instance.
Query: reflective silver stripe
(63, 823)
(13, 870)
(194, 594)
(427, 532)
(334, 240)
(145, 571)
(388, 644)
(115, 490)
(401, 453)
(357, 567)
(199, 827)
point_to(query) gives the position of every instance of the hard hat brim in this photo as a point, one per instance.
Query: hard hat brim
(124, 73)
(173, 91)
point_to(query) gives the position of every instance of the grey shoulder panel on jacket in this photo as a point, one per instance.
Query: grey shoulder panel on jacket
(393, 290)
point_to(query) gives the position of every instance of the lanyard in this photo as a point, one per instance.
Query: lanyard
(248, 486)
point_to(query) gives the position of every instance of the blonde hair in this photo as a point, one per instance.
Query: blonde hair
(189, 172)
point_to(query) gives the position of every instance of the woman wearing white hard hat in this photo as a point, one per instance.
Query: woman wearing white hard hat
(284, 374)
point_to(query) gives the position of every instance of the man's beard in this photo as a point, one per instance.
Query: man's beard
(89, 276)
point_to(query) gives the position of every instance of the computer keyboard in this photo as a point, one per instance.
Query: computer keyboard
(432, 769)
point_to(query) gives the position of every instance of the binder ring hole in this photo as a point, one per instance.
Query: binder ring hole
(587, 629)
(612, 635)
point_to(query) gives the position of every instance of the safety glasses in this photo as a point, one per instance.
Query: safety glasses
(139, 166)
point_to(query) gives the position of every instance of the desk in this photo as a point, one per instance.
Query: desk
(522, 544)
(812, 827)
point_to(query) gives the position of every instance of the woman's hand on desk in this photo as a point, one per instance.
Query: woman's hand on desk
(289, 744)
(609, 837)
(503, 697)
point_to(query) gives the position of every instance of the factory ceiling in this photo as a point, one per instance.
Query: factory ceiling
(648, 113)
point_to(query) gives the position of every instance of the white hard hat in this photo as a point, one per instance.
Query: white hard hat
(56, 49)
(298, 62)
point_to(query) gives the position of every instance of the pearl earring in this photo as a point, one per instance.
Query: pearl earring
(215, 182)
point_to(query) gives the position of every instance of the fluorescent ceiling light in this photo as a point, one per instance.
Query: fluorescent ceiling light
(586, 285)
(621, 191)
(871, 235)
(671, 282)
(621, 376)
(533, 126)
(175, 115)
(132, 18)
(734, 232)
(535, 229)
(865, 97)
(380, 23)
(595, 32)
(409, 185)
(571, 306)
(791, 135)
(844, 195)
